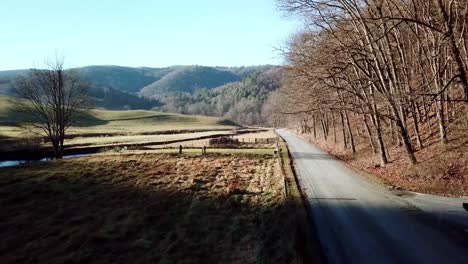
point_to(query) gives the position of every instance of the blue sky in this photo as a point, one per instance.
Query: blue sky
(152, 33)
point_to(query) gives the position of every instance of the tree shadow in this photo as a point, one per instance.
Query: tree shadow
(226, 122)
(15, 117)
(85, 119)
(352, 233)
(4, 137)
(458, 144)
(158, 117)
(52, 214)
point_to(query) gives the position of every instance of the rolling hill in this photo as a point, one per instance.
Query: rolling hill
(127, 79)
(188, 79)
(233, 91)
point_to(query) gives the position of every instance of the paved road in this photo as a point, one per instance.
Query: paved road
(359, 221)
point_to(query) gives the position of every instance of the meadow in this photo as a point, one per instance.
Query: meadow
(97, 127)
(148, 203)
(147, 208)
(109, 122)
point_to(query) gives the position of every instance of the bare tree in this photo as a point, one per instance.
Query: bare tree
(392, 62)
(54, 98)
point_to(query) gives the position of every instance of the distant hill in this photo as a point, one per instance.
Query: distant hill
(5, 80)
(114, 99)
(189, 79)
(182, 89)
(127, 79)
(102, 96)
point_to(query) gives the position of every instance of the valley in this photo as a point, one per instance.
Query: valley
(235, 93)
(278, 131)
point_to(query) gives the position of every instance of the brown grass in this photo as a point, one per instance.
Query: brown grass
(248, 140)
(146, 208)
(137, 139)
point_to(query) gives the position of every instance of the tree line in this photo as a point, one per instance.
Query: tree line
(390, 67)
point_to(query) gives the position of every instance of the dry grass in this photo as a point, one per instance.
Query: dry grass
(101, 128)
(119, 123)
(252, 136)
(136, 139)
(188, 144)
(147, 208)
(175, 150)
(248, 140)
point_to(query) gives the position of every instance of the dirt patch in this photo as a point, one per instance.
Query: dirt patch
(146, 208)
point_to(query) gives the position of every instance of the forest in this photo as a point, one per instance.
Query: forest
(390, 72)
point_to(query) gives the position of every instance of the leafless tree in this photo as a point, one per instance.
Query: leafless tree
(54, 98)
(392, 62)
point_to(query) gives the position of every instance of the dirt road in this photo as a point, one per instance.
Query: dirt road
(359, 221)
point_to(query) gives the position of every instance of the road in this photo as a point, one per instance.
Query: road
(359, 221)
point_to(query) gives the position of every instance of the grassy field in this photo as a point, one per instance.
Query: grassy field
(131, 122)
(147, 208)
(246, 141)
(137, 139)
(98, 128)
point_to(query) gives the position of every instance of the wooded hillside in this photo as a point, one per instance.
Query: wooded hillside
(385, 65)
(382, 84)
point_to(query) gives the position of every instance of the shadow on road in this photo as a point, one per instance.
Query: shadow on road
(350, 232)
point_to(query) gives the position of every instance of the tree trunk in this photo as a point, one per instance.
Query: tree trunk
(345, 144)
(404, 135)
(416, 126)
(334, 128)
(350, 132)
(450, 35)
(324, 127)
(314, 120)
(441, 122)
(369, 135)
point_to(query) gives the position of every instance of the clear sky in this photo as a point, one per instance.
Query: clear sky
(152, 33)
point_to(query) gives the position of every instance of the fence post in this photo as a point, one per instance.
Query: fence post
(180, 149)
